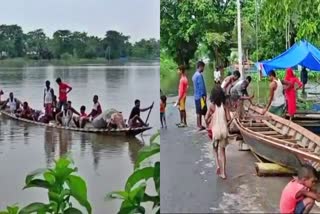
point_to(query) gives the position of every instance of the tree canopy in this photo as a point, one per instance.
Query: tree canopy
(268, 27)
(64, 43)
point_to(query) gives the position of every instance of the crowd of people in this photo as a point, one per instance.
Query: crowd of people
(61, 111)
(228, 94)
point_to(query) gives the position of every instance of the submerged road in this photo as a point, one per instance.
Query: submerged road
(188, 180)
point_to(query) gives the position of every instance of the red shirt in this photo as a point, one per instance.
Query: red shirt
(183, 86)
(288, 199)
(63, 87)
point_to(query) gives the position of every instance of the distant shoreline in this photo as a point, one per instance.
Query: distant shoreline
(21, 62)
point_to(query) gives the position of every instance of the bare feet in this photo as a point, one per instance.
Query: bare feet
(223, 176)
(218, 171)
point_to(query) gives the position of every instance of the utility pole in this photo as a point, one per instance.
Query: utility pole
(239, 40)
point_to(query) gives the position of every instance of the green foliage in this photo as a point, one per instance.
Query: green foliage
(36, 45)
(135, 193)
(167, 65)
(66, 56)
(62, 186)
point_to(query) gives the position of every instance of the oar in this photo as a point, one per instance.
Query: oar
(149, 113)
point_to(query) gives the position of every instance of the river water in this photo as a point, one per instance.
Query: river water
(104, 162)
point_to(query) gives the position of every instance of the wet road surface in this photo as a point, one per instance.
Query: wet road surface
(188, 180)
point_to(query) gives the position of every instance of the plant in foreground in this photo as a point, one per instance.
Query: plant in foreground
(145, 169)
(62, 186)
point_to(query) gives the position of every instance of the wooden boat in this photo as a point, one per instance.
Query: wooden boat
(113, 132)
(308, 120)
(279, 140)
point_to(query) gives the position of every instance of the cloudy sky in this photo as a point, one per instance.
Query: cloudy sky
(137, 18)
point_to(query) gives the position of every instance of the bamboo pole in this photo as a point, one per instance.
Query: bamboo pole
(272, 169)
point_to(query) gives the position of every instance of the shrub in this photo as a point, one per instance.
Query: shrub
(135, 188)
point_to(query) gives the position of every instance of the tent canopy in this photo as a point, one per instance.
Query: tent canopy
(301, 53)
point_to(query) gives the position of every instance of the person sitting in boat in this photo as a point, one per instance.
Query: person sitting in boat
(135, 119)
(239, 91)
(96, 110)
(300, 194)
(277, 102)
(26, 112)
(64, 117)
(110, 118)
(80, 121)
(13, 103)
(48, 99)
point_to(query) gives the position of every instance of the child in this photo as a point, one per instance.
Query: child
(81, 120)
(163, 104)
(216, 119)
(297, 196)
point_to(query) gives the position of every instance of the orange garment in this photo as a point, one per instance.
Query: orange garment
(290, 92)
(162, 107)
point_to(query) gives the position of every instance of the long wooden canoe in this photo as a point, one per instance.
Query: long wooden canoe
(113, 132)
(279, 140)
(308, 120)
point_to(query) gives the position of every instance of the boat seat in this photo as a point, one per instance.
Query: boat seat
(260, 129)
(269, 132)
(254, 124)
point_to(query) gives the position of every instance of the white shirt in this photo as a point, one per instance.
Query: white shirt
(48, 96)
(217, 75)
(278, 97)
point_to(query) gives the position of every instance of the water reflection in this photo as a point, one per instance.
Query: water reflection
(28, 147)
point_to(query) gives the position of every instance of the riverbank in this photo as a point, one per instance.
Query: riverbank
(20, 62)
(190, 183)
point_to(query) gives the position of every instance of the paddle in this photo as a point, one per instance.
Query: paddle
(149, 113)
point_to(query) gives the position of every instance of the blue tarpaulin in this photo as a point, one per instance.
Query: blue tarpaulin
(301, 53)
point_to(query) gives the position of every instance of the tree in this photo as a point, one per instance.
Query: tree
(62, 43)
(11, 40)
(117, 44)
(37, 44)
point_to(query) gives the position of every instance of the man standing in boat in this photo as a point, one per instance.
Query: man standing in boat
(277, 102)
(64, 89)
(48, 99)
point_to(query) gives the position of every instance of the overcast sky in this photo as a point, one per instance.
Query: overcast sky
(137, 18)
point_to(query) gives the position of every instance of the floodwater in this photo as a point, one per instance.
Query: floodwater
(104, 162)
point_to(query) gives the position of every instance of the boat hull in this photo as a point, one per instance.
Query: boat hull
(271, 153)
(129, 132)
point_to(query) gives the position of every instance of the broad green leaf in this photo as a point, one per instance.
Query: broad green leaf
(13, 209)
(72, 210)
(78, 190)
(37, 183)
(34, 207)
(156, 176)
(32, 174)
(137, 193)
(118, 194)
(155, 138)
(154, 199)
(63, 163)
(146, 152)
(48, 176)
(138, 175)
